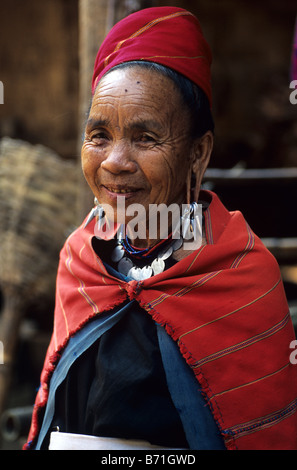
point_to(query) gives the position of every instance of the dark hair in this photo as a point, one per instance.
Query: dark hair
(193, 96)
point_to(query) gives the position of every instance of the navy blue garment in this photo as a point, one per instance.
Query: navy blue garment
(117, 388)
(117, 378)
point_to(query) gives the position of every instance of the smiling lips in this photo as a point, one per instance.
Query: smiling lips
(120, 189)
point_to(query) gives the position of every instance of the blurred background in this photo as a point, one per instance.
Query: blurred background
(47, 51)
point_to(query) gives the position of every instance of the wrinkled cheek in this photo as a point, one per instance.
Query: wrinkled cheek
(89, 175)
(90, 166)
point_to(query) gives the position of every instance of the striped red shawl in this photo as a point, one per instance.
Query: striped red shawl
(225, 307)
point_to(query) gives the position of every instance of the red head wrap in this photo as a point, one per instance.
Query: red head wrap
(169, 36)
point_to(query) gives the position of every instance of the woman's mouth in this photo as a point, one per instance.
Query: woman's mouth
(121, 191)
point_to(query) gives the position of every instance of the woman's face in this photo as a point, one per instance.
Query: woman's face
(137, 143)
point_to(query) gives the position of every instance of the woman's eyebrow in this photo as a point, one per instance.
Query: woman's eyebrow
(145, 124)
(138, 124)
(93, 123)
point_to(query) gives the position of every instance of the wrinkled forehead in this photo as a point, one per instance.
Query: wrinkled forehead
(143, 92)
(132, 77)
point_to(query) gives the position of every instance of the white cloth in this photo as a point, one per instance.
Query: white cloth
(68, 441)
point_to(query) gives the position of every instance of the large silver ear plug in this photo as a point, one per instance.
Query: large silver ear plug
(186, 222)
(96, 211)
(191, 221)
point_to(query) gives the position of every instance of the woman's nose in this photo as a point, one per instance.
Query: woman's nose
(119, 159)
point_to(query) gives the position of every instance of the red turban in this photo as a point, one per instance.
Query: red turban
(169, 36)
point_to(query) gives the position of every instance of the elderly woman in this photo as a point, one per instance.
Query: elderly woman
(157, 342)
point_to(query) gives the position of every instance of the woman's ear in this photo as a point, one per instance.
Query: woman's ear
(202, 149)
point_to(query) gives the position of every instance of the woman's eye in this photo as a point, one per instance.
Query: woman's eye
(99, 136)
(147, 138)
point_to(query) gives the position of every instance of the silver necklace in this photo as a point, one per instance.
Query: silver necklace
(128, 268)
(191, 227)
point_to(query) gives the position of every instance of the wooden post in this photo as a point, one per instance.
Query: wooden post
(92, 30)
(11, 316)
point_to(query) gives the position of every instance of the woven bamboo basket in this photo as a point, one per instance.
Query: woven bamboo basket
(37, 208)
(38, 193)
